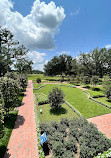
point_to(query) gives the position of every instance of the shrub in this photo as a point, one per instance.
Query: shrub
(1, 120)
(94, 80)
(65, 122)
(107, 86)
(11, 75)
(43, 102)
(10, 92)
(86, 80)
(56, 98)
(38, 80)
(22, 79)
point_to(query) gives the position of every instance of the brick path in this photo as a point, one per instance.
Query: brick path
(23, 141)
(103, 123)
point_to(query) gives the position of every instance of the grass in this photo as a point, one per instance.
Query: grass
(79, 100)
(104, 100)
(49, 115)
(95, 93)
(8, 127)
(37, 85)
(35, 76)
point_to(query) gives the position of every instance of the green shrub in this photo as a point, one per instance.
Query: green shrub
(38, 80)
(56, 98)
(86, 80)
(11, 75)
(22, 79)
(10, 92)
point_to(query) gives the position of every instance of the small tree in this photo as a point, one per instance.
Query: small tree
(56, 98)
(107, 86)
(38, 80)
(94, 80)
(22, 80)
(86, 80)
(10, 93)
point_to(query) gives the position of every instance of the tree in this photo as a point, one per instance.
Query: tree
(10, 92)
(38, 80)
(7, 50)
(24, 66)
(59, 66)
(86, 79)
(56, 98)
(12, 52)
(94, 80)
(107, 86)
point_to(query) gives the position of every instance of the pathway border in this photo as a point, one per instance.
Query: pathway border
(23, 140)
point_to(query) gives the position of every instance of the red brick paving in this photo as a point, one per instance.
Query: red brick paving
(103, 123)
(23, 140)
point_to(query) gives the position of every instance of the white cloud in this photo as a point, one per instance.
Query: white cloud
(75, 12)
(63, 52)
(38, 28)
(38, 59)
(108, 46)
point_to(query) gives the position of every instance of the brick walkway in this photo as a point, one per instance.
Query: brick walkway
(103, 123)
(23, 141)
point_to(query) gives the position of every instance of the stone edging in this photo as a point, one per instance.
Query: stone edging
(39, 87)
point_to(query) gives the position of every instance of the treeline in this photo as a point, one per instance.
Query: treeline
(96, 62)
(12, 54)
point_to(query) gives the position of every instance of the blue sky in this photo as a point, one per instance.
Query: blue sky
(86, 25)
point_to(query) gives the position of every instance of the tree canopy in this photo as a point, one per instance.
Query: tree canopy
(12, 53)
(95, 63)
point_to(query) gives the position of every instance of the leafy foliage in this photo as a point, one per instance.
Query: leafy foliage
(38, 80)
(107, 86)
(86, 80)
(67, 137)
(10, 92)
(56, 98)
(94, 80)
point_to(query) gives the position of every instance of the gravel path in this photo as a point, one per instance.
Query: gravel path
(23, 140)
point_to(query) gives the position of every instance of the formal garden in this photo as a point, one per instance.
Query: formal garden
(69, 134)
(68, 93)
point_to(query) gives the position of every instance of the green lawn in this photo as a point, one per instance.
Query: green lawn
(35, 76)
(104, 100)
(95, 93)
(49, 116)
(79, 100)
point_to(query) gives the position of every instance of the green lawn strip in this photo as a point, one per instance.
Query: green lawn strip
(104, 100)
(8, 127)
(48, 115)
(79, 100)
(35, 76)
(95, 93)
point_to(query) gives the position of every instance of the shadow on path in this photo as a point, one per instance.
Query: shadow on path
(20, 121)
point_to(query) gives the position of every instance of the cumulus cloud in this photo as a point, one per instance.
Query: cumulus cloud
(38, 28)
(108, 46)
(38, 59)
